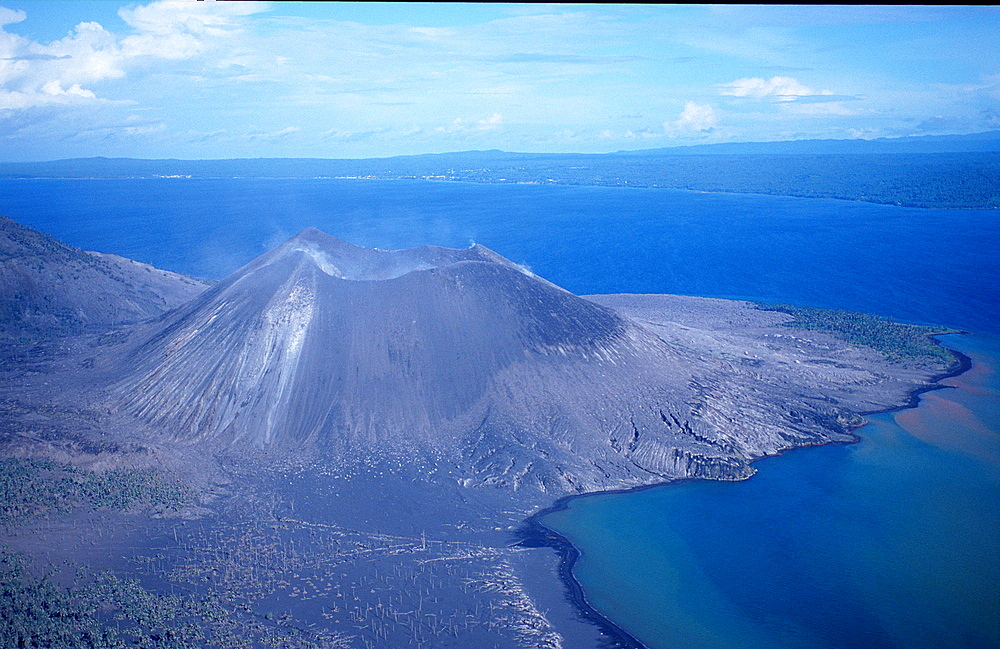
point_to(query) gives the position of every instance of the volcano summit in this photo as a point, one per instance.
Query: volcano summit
(461, 358)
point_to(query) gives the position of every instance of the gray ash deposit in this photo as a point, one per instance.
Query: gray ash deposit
(48, 287)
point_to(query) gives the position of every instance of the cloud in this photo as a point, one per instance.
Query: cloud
(825, 99)
(455, 126)
(459, 125)
(341, 136)
(180, 30)
(431, 33)
(819, 108)
(66, 70)
(275, 135)
(37, 57)
(527, 57)
(11, 16)
(54, 88)
(193, 135)
(145, 129)
(694, 117)
(990, 119)
(204, 18)
(779, 88)
(362, 85)
(491, 123)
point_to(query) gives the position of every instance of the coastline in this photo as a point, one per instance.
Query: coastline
(535, 534)
(501, 179)
(962, 365)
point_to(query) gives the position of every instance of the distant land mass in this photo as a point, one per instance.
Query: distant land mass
(929, 171)
(340, 446)
(985, 142)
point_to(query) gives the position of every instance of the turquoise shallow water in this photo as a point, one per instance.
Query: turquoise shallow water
(891, 542)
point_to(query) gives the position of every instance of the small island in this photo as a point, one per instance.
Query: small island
(355, 438)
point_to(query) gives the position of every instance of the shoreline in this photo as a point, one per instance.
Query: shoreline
(962, 365)
(535, 534)
(542, 183)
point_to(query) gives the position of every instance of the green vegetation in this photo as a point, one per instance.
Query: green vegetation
(107, 612)
(31, 487)
(929, 180)
(36, 613)
(896, 340)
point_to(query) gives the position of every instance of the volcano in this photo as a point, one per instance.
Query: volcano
(373, 427)
(460, 358)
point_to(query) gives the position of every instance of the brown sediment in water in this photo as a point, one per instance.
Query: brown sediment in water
(974, 380)
(946, 423)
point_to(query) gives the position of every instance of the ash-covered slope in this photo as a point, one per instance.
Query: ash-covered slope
(50, 286)
(451, 358)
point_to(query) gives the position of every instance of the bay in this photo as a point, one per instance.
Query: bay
(891, 542)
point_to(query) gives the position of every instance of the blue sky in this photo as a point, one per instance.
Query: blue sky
(253, 79)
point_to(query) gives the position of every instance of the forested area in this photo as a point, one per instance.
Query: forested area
(99, 610)
(897, 340)
(31, 487)
(967, 180)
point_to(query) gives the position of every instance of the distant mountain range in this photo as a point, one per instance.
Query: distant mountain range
(985, 142)
(953, 171)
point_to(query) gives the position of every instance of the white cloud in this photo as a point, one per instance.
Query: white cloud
(432, 33)
(459, 125)
(144, 129)
(276, 135)
(38, 74)
(426, 82)
(491, 123)
(203, 18)
(780, 88)
(694, 117)
(831, 108)
(455, 126)
(863, 133)
(10, 16)
(54, 88)
(181, 30)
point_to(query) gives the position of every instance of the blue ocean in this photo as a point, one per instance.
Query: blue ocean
(892, 542)
(919, 265)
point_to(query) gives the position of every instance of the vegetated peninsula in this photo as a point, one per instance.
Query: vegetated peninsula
(359, 434)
